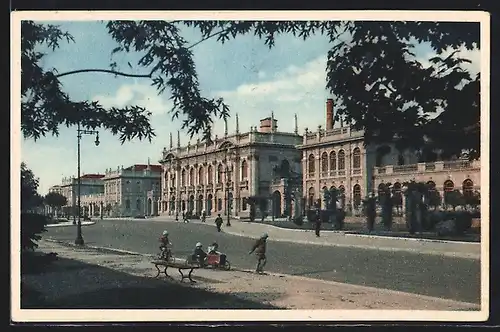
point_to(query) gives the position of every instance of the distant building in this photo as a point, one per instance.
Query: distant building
(227, 173)
(124, 192)
(132, 191)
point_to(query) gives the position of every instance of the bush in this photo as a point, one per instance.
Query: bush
(32, 226)
(299, 220)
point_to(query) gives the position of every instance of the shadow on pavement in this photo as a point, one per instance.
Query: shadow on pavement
(72, 284)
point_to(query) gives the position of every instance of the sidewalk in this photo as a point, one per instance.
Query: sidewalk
(89, 278)
(469, 250)
(70, 223)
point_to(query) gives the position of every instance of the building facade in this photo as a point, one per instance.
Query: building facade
(124, 192)
(132, 191)
(223, 176)
(337, 158)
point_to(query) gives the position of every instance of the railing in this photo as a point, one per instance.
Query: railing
(405, 168)
(324, 174)
(333, 173)
(356, 171)
(341, 172)
(310, 175)
(459, 164)
(430, 166)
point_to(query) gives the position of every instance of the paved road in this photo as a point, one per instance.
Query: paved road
(445, 277)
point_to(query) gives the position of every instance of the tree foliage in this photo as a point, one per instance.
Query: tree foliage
(55, 200)
(371, 71)
(32, 223)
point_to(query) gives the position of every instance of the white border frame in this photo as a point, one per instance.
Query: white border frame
(71, 316)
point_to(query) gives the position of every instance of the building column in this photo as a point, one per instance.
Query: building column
(254, 171)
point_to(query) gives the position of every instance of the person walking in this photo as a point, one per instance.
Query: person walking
(317, 222)
(259, 248)
(218, 222)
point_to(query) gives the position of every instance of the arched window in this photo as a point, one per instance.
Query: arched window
(244, 170)
(311, 164)
(201, 179)
(468, 187)
(166, 180)
(191, 177)
(356, 158)
(311, 197)
(333, 161)
(448, 186)
(356, 193)
(183, 177)
(397, 195)
(324, 163)
(210, 175)
(127, 204)
(341, 161)
(219, 173)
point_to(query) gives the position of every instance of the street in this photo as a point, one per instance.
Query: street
(445, 277)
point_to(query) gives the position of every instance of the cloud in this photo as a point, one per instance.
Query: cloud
(136, 94)
(294, 90)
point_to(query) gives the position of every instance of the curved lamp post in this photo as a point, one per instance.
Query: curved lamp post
(80, 132)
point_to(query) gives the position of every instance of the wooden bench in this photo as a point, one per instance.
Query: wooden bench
(178, 264)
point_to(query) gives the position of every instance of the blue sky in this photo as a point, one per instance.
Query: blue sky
(288, 79)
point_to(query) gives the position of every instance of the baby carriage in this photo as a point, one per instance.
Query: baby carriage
(218, 260)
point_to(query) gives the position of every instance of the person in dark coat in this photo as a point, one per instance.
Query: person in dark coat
(218, 222)
(317, 222)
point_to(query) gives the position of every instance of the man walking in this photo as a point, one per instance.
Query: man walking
(260, 250)
(318, 222)
(218, 222)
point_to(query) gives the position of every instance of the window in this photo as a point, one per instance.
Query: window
(210, 175)
(219, 173)
(357, 195)
(448, 186)
(244, 170)
(467, 187)
(311, 167)
(341, 161)
(183, 177)
(244, 203)
(138, 204)
(201, 179)
(333, 161)
(191, 176)
(127, 204)
(356, 158)
(324, 162)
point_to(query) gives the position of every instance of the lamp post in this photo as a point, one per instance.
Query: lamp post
(80, 132)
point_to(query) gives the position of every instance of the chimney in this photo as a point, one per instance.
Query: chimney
(268, 125)
(329, 114)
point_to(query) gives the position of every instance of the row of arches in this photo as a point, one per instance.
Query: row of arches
(448, 186)
(333, 161)
(206, 177)
(356, 193)
(198, 204)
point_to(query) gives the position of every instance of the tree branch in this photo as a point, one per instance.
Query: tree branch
(108, 71)
(207, 37)
(103, 71)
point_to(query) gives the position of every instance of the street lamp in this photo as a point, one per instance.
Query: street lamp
(80, 132)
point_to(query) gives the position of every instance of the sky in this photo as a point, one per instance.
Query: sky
(253, 80)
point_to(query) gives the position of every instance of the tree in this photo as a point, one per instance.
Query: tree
(32, 223)
(378, 84)
(55, 200)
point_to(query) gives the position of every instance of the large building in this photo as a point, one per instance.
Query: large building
(223, 176)
(337, 157)
(123, 192)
